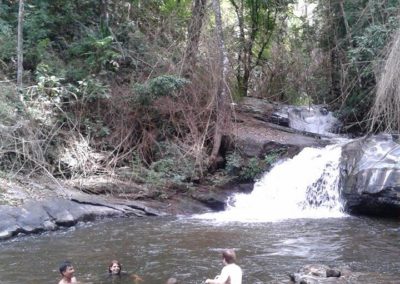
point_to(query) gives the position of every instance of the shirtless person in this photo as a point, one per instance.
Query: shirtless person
(67, 271)
(231, 273)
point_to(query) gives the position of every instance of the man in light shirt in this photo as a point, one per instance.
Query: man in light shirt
(231, 273)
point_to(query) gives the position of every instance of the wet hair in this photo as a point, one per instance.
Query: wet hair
(112, 263)
(64, 265)
(229, 255)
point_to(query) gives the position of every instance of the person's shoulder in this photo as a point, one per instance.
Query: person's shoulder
(233, 267)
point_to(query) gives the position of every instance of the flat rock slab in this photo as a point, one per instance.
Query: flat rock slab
(254, 138)
(56, 212)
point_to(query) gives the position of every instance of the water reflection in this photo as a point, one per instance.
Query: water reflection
(159, 248)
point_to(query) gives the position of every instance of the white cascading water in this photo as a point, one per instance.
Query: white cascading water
(305, 186)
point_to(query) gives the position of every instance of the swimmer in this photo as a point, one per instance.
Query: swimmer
(67, 271)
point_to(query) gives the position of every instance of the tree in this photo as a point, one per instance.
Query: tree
(194, 32)
(222, 107)
(256, 22)
(20, 57)
(354, 33)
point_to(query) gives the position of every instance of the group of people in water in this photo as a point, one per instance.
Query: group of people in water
(231, 273)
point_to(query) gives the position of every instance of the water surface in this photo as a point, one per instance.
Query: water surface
(189, 249)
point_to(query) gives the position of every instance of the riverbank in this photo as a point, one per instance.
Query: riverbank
(33, 204)
(36, 204)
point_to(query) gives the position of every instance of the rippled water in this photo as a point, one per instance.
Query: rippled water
(189, 249)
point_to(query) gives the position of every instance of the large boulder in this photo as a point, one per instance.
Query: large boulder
(370, 176)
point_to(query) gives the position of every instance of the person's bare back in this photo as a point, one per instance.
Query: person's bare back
(231, 273)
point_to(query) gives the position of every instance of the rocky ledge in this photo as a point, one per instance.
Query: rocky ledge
(38, 206)
(36, 216)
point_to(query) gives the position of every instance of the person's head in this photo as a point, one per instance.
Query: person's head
(114, 267)
(67, 270)
(229, 256)
(172, 281)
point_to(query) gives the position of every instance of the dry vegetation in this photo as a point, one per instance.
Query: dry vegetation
(386, 109)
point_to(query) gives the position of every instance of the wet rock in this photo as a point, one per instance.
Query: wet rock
(313, 119)
(8, 225)
(33, 218)
(56, 212)
(214, 200)
(254, 135)
(370, 176)
(317, 273)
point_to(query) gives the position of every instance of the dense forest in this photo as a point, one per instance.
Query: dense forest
(91, 86)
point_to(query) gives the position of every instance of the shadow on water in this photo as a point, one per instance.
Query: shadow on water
(189, 249)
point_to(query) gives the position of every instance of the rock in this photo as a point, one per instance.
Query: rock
(55, 212)
(213, 200)
(254, 135)
(370, 176)
(8, 225)
(317, 273)
(313, 119)
(34, 218)
(254, 138)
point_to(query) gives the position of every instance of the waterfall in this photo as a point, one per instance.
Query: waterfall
(305, 186)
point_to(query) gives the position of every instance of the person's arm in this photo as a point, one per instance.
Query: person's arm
(136, 278)
(220, 279)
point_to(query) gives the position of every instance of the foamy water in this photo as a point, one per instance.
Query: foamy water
(305, 186)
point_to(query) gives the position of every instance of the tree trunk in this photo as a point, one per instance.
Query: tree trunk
(104, 12)
(194, 32)
(20, 57)
(222, 108)
(349, 38)
(241, 57)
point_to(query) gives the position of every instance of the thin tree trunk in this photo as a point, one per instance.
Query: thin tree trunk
(241, 58)
(349, 38)
(20, 57)
(104, 11)
(222, 108)
(194, 32)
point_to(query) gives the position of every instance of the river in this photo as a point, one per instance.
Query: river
(189, 249)
(293, 217)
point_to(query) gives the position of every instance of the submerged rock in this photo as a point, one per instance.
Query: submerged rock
(370, 176)
(317, 273)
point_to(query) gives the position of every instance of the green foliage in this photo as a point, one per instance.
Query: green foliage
(7, 42)
(98, 52)
(171, 165)
(47, 83)
(233, 163)
(257, 20)
(91, 89)
(361, 45)
(164, 85)
(250, 169)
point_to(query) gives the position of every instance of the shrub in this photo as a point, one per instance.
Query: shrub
(164, 85)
